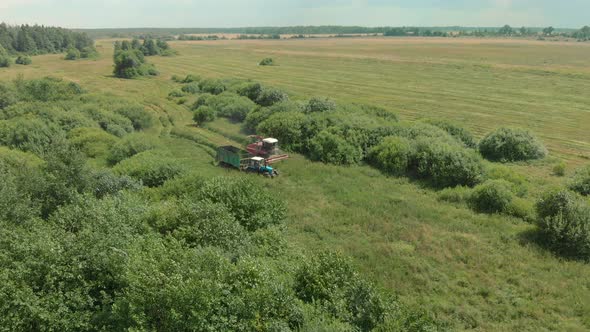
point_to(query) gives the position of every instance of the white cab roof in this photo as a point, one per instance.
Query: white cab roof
(257, 158)
(270, 140)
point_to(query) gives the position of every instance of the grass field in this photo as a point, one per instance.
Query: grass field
(476, 272)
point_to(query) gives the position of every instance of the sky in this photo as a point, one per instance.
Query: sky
(242, 13)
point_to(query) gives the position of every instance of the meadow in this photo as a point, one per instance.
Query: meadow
(473, 271)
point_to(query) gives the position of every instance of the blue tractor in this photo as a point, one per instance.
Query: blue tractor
(259, 165)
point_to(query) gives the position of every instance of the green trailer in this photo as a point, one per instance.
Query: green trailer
(232, 156)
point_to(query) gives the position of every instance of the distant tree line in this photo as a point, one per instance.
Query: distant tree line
(38, 39)
(192, 37)
(309, 31)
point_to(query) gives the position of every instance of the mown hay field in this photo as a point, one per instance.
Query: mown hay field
(474, 271)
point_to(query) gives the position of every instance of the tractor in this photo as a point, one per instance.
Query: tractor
(238, 158)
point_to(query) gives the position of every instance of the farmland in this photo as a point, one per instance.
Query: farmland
(473, 271)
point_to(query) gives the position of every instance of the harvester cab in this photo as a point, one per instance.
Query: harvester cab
(267, 148)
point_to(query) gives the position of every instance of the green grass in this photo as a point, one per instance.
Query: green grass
(474, 271)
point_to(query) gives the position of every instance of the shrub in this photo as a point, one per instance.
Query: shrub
(230, 105)
(564, 220)
(212, 86)
(105, 182)
(29, 134)
(88, 52)
(447, 165)
(559, 169)
(329, 280)
(128, 63)
(199, 223)
(131, 145)
(330, 147)
(459, 133)
(204, 114)
(266, 62)
(521, 208)
(47, 89)
(153, 168)
(493, 196)
(93, 142)
(511, 144)
(319, 104)
(253, 207)
(250, 90)
(191, 88)
(271, 96)
(190, 78)
(5, 61)
(110, 122)
(139, 116)
(392, 155)
(23, 60)
(8, 95)
(286, 127)
(459, 194)
(72, 54)
(580, 182)
(202, 100)
(175, 94)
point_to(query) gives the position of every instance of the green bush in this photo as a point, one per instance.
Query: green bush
(110, 122)
(447, 165)
(580, 182)
(72, 54)
(212, 86)
(330, 147)
(493, 196)
(88, 52)
(191, 88)
(286, 127)
(559, 169)
(267, 62)
(458, 195)
(329, 280)
(29, 133)
(202, 100)
(190, 78)
(271, 96)
(8, 95)
(128, 63)
(521, 208)
(175, 94)
(23, 60)
(131, 145)
(93, 142)
(564, 220)
(319, 104)
(199, 224)
(5, 61)
(152, 168)
(250, 90)
(258, 115)
(253, 207)
(105, 182)
(139, 116)
(204, 114)
(459, 133)
(47, 89)
(393, 155)
(230, 105)
(511, 144)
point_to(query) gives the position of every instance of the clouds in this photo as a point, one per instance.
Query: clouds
(225, 13)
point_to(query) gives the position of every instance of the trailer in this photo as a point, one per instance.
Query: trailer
(238, 158)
